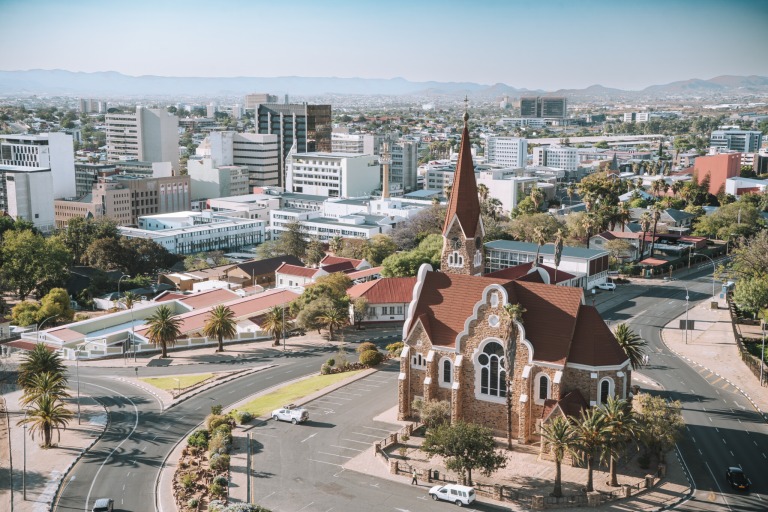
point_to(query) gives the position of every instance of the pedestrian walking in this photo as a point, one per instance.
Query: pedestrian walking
(414, 474)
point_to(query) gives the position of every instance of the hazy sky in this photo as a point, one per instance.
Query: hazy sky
(548, 44)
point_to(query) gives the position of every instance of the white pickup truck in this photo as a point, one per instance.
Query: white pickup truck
(291, 413)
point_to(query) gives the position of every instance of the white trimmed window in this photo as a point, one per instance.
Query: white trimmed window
(418, 361)
(490, 381)
(542, 388)
(478, 258)
(605, 389)
(446, 372)
(455, 259)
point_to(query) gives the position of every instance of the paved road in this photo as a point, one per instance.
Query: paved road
(722, 428)
(124, 464)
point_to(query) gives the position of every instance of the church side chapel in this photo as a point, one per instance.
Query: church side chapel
(465, 331)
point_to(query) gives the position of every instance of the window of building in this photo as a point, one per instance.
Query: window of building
(446, 372)
(605, 389)
(418, 361)
(489, 364)
(543, 388)
(455, 259)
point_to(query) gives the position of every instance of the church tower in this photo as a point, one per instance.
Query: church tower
(463, 231)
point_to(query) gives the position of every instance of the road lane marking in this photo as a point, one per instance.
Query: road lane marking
(310, 437)
(369, 443)
(336, 455)
(717, 483)
(328, 401)
(366, 435)
(375, 428)
(268, 495)
(198, 408)
(717, 430)
(347, 393)
(724, 441)
(732, 455)
(755, 443)
(302, 508)
(329, 463)
(694, 439)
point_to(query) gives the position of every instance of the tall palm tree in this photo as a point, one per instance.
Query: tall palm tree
(624, 216)
(273, 322)
(589, 222)
(49, 384)
(561, 438)
(220, 324)
(676, 187)
(656, 215)
(632, 344)
(482, 192)
(537, 196)
(164, 329)
(621, 425)
(645, 225)
(590, 432)
(539, 238)
(514, 313)
(571, 191)
(37, 361)
(45, 415)
(129, 299)
(333, 318)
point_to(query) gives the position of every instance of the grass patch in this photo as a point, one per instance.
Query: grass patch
(264, 405)
(170, 384)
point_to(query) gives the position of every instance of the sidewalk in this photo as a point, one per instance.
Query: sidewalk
(712, 349)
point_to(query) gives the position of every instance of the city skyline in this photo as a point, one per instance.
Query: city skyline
(536, 45)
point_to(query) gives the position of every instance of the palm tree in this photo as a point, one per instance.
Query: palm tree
(49, 384)
(45, 414)
(590, 432)
(645, 224)
(656, 216)
(273, 322)
(514, 313)
(624, 216)
(164, 328)
(129, 299)
(632, 345)
(333, 318)
(620, 426)
(561, 437)
(539, 238)
(482, 192)
(589, 223)
(571, 191)
(37, 361)
(537, 196)
(676, 187)
(220, 324)
(558, 252)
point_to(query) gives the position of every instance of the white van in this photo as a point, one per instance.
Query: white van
(458, 494)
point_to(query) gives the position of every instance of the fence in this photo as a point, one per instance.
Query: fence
(753, 363)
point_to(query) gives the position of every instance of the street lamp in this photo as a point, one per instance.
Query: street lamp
(24, 471)
(762, 354)
(713, 270)
(118, 285)
(687, 296)
(39, 325)
(77, 372)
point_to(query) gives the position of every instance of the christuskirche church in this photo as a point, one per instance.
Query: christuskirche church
(465, 330)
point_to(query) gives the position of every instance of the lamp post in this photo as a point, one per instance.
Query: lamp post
(39, 325)
(24, 471)
(713, 270)
(77, 375)
(282, 330)
(762, 355)
(118, 284)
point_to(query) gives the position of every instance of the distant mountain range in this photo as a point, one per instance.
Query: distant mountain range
(112, 84)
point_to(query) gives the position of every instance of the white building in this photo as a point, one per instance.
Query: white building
(194, 232)
(27, 193)
(394, 208)
(403, 169)
(249, 206)
(357, 143)
(257, 152)
(314, 225)
(149, 135)
(210, 181)
(507, 186)
(507, 151)
(742, 141)
(560, 157)
(54, 151)
(332, 174)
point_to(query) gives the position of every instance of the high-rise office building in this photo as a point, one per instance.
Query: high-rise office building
(254, 100)
(559, 157)
(743, 141)
(150, 135)
(405, 164)
(308, 127)
(507, 151)
(54, 151)
(543, 106)
(258, 152)
(332, 175)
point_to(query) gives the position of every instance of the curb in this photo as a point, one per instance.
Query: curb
(71, 466)
(694, 363)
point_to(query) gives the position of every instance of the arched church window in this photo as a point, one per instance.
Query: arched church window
(492, 375)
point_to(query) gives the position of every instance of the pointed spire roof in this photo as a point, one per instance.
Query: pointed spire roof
(464, 203)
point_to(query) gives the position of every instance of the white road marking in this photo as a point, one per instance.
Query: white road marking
(327, 401)
(198, 408)
(369, 443)
(717, 430)
(335, 455)
(755, 443)
(329, 463)
(366, 435)
(375, 428)
(694, 439)
(732, 455)
(724, 441)
(346, 393)
(347, 448)
(310, 437)
(718, 485)
(268, 495)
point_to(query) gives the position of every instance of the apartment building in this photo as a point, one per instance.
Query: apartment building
(507, 151)
(27, 193)
(209, 181)
(742, 141)
(258, 152)
(636, 117)
(150, 135)
(543, 107)
(560, 157)
(404, 166)
(359, 143)
(719, 168)
(331, 174)
(54, 151)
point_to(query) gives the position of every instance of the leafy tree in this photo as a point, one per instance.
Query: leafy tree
(359, 310)
(632, 345)
(45, 415)
(466, 447)
(525, 206)
(269, 249)
(750, 257)
(433, 413)
(309, 313)
(740, 219)
(379, 248)
(409, 234)
(142, 255)
(81, 233)
(56, 304)
(661, 424)
(405, 264)
(333, 318)
(163, 329)
(292, 241)
(618, 248)
(30, 262)
(620, 427)
(37, 361)
(104, 254)
(559, 437)
(220, 324)
(751, 294)
(591, 435)
(523, 227)
(315, 252)
(25, 313)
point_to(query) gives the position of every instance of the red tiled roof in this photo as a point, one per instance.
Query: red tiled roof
(464, 203)
(27, 345)
(572, 404)
(593, 343)
(166, 296)
(653, 262)
(208, 298)
(523, 272)
(357, 274)
(293, 270)
(385, 290)
(65, 334)
(333, 260)
(342, 266)
(623, 234)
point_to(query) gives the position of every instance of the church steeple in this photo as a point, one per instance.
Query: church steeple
(463, 229)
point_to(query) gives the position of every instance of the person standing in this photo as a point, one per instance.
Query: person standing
(414, 474)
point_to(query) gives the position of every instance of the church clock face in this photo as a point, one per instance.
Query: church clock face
(456, 243)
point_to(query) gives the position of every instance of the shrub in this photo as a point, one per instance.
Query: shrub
(199, 439)
(216, 410)
(244, 417)
(220, 442)
(330, 362)
(219, 462)
(216, 489)
(365, 347)
(221, 480)
(188, 481)
(371, 357)
(325, 369)
(394, 349)
(193, 503)
(433, 413)
(214, 420)
(218, 506)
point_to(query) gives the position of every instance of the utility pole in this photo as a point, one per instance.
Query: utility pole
(248, 468)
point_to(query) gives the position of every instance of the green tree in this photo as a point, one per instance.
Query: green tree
(736, 219)
(750, 257)
(407, 263)
(307, 314)
(645, 224)
(559, 438)
(80, 233)
(618, 248)
(333, 318)
(45, 415)
(379, 248)
(38, 361)
(220, 324)
(274, 322)
(269, 249)
(656, 215)
(129, 299)
(315, 252)
(751, 294)
(591, 435)
(25, 313)
(163, 329)
(524, 227)
(465, 447)
(409, 234)
(632, 344)
(50, 384)
(661, 423)
(56, 304)
(32, 263)
(359, 310)
(620, 427)
(433, 413)
(292, 240)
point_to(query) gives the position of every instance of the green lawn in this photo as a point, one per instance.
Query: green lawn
(170, 384)
(265, 404)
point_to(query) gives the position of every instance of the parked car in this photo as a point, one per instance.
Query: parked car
(607, 286)
(103, 505)
(737, 478)
(458, 494)
(291, 413)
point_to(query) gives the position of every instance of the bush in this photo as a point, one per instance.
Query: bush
(371, 357)
(325, 369)
(221, 442)
(394, 349)
(219, 462)
(434, 412)
(217, 489)
(644, 461)
(214, 420)
(199, 439)
(188, 481)
(244, 417)
(218, 506)
(193, 503)
(221, 480)
(365, 347)
(216, 410)
(330, 362)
